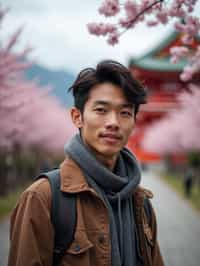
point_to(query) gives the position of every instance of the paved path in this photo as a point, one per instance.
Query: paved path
(4, 243)
(179, 226)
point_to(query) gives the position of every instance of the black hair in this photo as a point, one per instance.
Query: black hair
(108, 71)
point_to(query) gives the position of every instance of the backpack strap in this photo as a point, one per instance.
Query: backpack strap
(63, 215)
(148, 209)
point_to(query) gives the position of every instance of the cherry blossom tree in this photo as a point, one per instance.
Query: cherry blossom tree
(29, 116)
(179, 131)
(153, 12)
(32, 121)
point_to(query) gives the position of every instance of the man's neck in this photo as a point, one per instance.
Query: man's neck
(108, 162)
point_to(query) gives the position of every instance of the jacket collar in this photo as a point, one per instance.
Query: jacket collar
(72, 178)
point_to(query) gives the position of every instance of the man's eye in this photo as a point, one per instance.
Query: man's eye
(100, 110)
(126, 113)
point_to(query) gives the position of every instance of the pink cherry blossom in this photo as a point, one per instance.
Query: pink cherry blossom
(109, 8)
(101, 28)
(162, 17)
(193, 67)
(131, 9)
(179, 51)
(176, 10)
(113, 38)
(152, 23)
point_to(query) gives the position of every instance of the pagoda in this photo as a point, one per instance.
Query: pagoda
(161, 78)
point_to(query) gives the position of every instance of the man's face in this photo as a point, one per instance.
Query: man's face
(107, 120)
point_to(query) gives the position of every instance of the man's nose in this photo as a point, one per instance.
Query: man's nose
(112, 121)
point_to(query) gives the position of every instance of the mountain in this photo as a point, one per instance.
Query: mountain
(59, 80)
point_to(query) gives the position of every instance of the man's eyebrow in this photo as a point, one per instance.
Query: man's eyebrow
(101, 102)
(123, 105)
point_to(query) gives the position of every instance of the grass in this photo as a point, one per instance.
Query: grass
(195, 199)
(177, 184)
(8, 202)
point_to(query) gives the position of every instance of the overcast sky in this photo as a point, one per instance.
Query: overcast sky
(56, 29)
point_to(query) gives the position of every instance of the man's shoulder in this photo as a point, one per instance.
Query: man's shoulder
(39, 190)
(40, 185)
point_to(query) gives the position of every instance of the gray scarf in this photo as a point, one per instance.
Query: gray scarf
(116, 190)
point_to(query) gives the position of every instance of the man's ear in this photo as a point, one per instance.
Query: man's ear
(76, 117)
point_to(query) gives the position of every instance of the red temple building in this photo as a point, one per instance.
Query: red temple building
(161, 77)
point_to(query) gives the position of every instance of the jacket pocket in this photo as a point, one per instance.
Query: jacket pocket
(80, 244)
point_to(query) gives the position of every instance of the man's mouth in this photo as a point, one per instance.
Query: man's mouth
(111, 138)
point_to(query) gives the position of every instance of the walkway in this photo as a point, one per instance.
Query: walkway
(178, 224)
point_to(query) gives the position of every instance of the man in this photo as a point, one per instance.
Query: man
(112, 227)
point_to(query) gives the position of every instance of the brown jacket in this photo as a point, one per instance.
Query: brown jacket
(32, 234)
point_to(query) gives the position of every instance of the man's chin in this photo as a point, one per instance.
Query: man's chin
(110, 152)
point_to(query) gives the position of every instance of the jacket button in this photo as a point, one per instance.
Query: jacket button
(77, 248)
(101, 239)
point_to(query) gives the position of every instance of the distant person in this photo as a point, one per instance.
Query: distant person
(115, 224)
(188, 182)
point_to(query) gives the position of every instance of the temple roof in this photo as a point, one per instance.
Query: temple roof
(158, 58)
(157, 64)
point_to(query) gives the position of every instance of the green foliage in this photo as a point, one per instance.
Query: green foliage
(8, 202)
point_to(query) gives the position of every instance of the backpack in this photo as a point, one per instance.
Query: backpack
(61, 204)
(65, 225)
